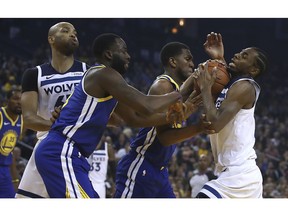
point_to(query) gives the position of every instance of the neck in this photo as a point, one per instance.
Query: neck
(173, 75)
(12, 115)
(60, 62)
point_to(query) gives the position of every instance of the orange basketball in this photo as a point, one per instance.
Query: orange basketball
(222, 78)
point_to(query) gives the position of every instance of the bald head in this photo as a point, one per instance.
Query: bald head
(53, 29)
(63, 37)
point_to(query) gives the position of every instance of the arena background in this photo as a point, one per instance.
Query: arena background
(23, 44)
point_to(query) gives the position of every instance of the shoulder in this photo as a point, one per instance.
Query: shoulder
(31, 71)
(160, 87)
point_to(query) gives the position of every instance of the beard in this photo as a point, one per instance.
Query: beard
(67, 48)
(118, 64)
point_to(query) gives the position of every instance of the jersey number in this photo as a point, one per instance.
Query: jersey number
(95, 166)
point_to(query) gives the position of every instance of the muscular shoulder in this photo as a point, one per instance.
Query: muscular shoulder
(243, 91)
(160, 87)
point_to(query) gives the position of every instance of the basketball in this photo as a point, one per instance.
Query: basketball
(222, 78)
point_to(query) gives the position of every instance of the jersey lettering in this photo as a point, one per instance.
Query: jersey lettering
(60, 88)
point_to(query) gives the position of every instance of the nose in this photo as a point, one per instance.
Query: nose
(128, 56)
(192, 64)
(73, 35)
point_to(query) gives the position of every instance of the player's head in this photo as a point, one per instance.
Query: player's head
(251, 61)
(14, 101)
(176, 56)
(63, 37)
(111, 50)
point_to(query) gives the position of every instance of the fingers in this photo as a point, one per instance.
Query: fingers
(55, 114)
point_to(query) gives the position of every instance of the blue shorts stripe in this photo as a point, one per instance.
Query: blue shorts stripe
(28, 194)
(212, 190)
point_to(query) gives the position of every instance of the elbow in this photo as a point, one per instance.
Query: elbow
(215, 127)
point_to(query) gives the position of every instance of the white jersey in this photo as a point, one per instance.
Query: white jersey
(54, 88)
(234, 144)
(98, 161)
(234, 155)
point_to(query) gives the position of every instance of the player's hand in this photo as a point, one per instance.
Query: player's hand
(175, 113)
(205, 78)
(55, 114)
(206, 125)
(192, 104)
(213, 46)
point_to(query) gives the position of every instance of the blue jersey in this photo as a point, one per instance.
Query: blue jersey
(83, 118)
(143, 173)
(9, 133)
(148, 145)
(63, 154)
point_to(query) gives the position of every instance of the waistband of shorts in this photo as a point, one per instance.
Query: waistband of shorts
(248, 162)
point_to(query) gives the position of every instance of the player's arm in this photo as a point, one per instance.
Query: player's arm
(107, 81)
(14, 173)
(29, 103)
(111, 158)
(187, 87)
(133, 119)
(165, 133)
(238, 97)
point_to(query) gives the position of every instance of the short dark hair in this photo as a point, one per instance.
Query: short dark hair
(11, 92)
(170, 50)
(261, 60)
(102, 43)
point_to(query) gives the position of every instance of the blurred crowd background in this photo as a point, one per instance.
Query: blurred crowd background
(23, 44)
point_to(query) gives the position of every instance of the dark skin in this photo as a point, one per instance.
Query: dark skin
(13, 109)
(132, 104)
(62, 38)
(179, 68)
(240, 96)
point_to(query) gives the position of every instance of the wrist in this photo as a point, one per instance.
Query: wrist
(15, 180)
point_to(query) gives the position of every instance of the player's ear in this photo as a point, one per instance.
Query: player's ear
(51, 39)
(108, 54)
(172, 62)
(255, 71)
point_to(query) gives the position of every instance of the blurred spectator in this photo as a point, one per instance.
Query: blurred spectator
(201, 175)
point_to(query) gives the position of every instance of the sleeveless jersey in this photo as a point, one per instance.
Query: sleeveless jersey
(9, 133)
(148, 145)
(83, 118)
(234, 144)
(99, 164)
(54, 88)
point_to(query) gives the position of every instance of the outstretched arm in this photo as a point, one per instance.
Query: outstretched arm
(107, 81)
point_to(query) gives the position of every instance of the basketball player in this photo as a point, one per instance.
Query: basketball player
(143, 173)
(232, 118)
(45, 87)
(10, 130)
(61, 158)
(98, 161)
